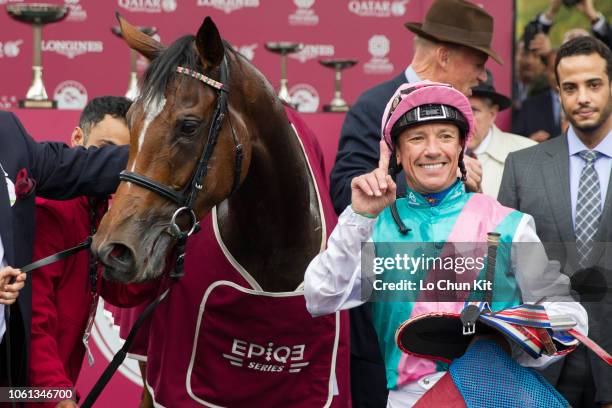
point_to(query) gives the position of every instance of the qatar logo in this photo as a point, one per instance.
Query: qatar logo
(305, 97)
(70, 95)
(370, 8)
(76, 12)
(148, 6)
(247, 51)
(72, 48)
(10, 49)
(227, 6)
(106, 337)
(312, 51)
(378, 46)
(304, 15)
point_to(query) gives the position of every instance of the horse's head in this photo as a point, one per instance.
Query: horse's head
(189, 148)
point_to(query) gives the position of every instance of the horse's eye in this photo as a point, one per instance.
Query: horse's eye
(189, 127)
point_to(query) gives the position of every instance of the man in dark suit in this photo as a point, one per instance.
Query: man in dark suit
(51, 170)
(451, 46)
(564, 183)
(539, 113)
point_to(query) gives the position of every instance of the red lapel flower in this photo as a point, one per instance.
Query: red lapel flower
(24, 185)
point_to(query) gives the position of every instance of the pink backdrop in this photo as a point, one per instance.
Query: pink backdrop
(82, 59)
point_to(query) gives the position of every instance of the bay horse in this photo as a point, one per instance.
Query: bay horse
(271, 222)
(212, 147)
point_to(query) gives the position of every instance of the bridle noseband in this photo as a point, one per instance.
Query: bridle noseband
(185, 199)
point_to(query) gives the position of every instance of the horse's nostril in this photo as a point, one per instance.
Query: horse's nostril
(119, 262)
(120, 253)
(117, 255)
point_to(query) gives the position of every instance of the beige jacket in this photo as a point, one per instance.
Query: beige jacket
(494, 157)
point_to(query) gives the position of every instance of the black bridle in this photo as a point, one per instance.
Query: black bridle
(185, 200)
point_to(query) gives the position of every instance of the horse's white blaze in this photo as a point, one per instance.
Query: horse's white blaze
(152, 108)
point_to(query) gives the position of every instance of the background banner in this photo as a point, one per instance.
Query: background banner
(83, 59)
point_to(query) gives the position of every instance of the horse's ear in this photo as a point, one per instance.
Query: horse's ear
(138, 40)
(209, 43)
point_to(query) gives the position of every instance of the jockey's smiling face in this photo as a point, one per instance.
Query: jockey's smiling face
(429, 155)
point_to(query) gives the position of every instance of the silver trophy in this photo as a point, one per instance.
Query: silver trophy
(37, 14)
(337, 104)
(284, 48)
(132, 91)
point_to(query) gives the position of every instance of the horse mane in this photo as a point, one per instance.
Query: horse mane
(180, 53)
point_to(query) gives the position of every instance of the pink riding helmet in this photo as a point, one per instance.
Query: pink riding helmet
(436, 102)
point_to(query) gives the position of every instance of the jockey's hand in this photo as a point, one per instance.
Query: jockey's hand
(67, 404)
(372, 192)
(10, 291)
(474, 174)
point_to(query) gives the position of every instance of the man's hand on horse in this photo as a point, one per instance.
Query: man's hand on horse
(9, 291)
(67, 404)
(474, 174)
(372, 192)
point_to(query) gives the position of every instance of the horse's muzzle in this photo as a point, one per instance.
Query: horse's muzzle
(119, 261)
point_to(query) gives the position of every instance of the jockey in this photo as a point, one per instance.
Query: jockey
(425, 129)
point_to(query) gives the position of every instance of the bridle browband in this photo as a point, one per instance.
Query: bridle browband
(185, 200)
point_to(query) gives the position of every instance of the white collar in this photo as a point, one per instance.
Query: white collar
(482, 147)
